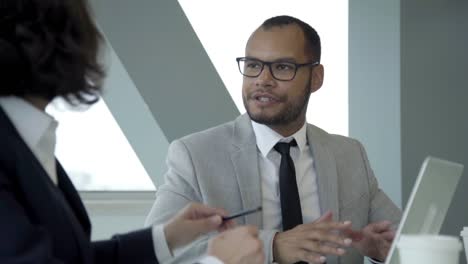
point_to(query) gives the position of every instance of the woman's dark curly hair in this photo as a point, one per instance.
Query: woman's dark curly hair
(50, 48)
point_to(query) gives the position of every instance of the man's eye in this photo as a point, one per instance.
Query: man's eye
(284, 66)
(253, 65)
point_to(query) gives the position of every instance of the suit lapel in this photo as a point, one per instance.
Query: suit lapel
(76, 211)
(327, 177)
(244, 159)
(73, 199)
(325, 166)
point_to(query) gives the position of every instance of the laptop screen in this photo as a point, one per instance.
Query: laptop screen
(429, 201)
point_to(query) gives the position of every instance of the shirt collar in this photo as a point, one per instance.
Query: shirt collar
(267, 137)
(31, 123)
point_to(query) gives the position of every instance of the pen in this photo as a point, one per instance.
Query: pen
(246, 212)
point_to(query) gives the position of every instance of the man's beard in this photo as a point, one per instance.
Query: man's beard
(292, 112)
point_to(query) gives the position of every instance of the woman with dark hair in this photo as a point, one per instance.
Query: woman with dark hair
(57, 46)
(49, 49)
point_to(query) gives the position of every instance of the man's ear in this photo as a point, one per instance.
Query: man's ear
(317, 78)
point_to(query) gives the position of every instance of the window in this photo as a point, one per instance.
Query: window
(92, 148)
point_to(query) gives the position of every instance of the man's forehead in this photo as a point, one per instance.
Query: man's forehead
(276, 42)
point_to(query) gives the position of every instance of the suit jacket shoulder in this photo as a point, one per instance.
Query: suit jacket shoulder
(345, 151)
(223, 139)
(221, 133)
(333, 141)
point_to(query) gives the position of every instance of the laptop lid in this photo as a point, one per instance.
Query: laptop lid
(429, 201)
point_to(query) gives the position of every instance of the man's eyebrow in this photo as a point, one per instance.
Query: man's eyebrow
(285, 59)
(251, 58)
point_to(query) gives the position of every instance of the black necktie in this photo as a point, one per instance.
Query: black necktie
(290, 203)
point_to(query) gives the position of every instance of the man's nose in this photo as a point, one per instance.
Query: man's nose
(265, 78)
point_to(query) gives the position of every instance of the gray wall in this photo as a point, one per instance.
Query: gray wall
(402, 119)
(134, 117)
(374, 87)
(434, 93)
(175, 88)
(167, 63)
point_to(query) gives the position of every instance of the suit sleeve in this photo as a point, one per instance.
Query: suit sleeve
(381, 206)
(134, 247)
(20, 240)
(179, 189)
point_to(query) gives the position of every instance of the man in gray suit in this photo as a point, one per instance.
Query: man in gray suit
(320, 199)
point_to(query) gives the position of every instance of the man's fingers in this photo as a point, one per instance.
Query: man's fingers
(327, 225)
(206, 225)
(327, 232)
(312, 257)
(230, 224)
(252, 230)
(379, 227)
(198, 210)
(355, 235)
(389, 235)
(327, 237)
(323, 248)
(221, 212)
(328, 216)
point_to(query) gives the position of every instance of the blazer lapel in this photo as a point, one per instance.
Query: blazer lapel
(76, 211)
(244, 159)
(327, 176)
(73, 199)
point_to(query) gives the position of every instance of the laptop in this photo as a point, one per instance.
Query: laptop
(429, 201)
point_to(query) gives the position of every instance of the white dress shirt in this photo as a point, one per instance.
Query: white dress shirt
(306, 176)
(38, 129)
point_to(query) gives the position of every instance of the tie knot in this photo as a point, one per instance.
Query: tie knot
(283, 147)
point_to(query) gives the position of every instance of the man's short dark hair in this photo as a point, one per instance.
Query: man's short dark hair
(50, 48)
(312, 38)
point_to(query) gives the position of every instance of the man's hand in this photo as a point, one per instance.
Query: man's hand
(311, 242)
(192, 221)
(237, 246)
(374, 240)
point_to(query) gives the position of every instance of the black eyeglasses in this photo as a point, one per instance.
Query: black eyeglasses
(280, 70)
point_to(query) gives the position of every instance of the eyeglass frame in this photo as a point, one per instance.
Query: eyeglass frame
(269, 63)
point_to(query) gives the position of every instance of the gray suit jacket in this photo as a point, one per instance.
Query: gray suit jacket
(219, 167)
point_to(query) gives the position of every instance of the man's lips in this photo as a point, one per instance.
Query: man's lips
(264, 98)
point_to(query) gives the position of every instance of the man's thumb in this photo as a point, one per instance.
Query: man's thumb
(208, 224)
